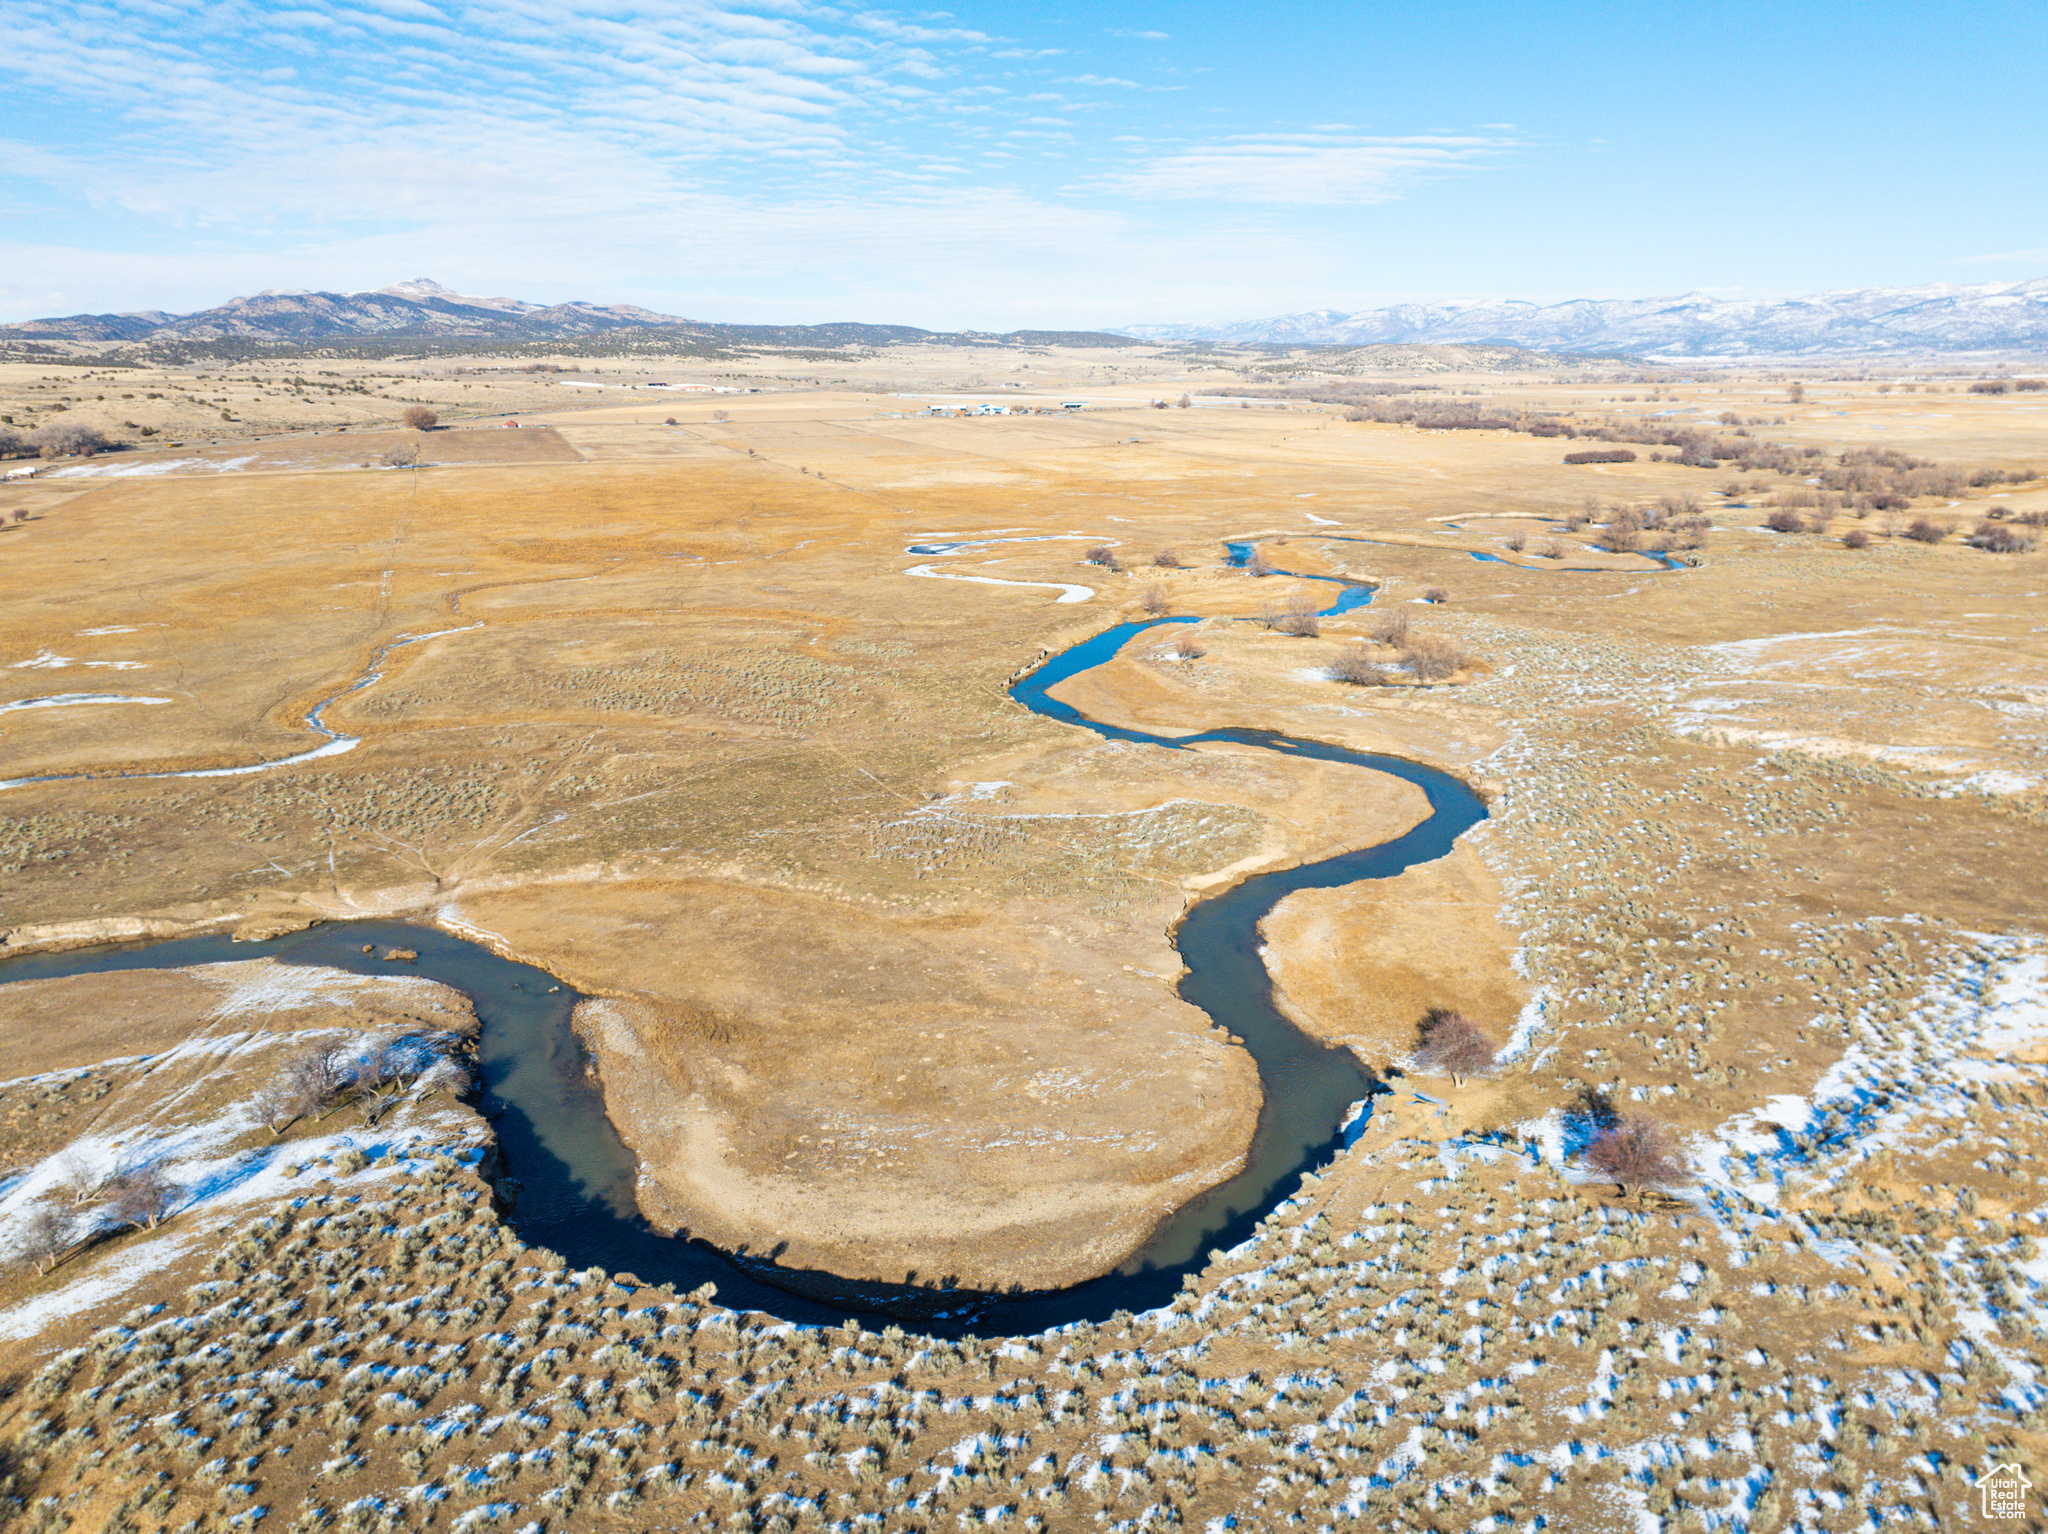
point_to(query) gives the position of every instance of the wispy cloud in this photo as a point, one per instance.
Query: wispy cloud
(2035, 256)
(385, 103)
(1303, 168)
(681, 153)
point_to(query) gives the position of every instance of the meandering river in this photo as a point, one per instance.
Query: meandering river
(575, 1177)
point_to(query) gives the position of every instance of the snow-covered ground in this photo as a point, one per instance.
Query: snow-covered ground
(1067, 592)
(225, 1163)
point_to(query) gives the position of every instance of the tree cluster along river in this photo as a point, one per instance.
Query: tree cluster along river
(576, 1178)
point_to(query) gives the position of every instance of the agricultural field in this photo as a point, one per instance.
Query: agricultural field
(1697, 1179)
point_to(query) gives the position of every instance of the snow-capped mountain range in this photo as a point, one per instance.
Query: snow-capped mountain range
(1933, 317)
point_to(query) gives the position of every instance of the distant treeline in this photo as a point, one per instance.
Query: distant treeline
(708, 343)
(1858, 471)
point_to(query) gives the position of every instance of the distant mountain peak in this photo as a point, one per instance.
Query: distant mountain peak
(426, 290)
(1928, 317)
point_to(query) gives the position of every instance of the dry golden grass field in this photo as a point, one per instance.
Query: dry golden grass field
(650, 693)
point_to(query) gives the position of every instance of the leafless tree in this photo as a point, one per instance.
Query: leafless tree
(1855, 538)
(1436, 596)
(1156, 601)
(1184, 402)
(78, 1179)
(1187, 647)
(1551, 549)
(402, 457)
(1102, 554)
(313, 1084)
(1926, 530)
(1516, 542)
(420, 418)
(12, 442)
(1391, 628)
(1256, 565)
(1449, 1042)
(721, 415)
(1167, 559)
(1638, 1152)
(142, 1197)
(45, 1237)
(71, 439)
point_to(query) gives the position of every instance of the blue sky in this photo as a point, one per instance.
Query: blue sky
(1008, 164)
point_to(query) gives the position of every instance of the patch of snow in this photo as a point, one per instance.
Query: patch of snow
(122, 470)
(73, 699)
(1067, 593)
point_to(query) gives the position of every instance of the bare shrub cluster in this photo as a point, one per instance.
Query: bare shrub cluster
(1998, 538)
(1102, 554)
(1356, 668)
(1672, 521)
(1864, 470)
(1433, 657)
